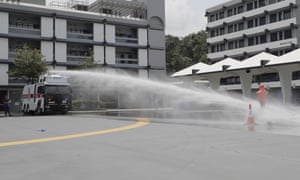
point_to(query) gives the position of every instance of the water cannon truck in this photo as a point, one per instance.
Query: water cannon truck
(51, 94)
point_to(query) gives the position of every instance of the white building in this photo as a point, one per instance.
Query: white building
(122, 34)
(242, 28)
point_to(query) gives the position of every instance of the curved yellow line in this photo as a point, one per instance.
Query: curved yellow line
(141, 122)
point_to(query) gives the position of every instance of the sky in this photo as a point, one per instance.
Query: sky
(184, 17)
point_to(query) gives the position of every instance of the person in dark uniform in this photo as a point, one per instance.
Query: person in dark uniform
(6, 101)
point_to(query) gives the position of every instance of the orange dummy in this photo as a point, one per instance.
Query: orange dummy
(262, 95)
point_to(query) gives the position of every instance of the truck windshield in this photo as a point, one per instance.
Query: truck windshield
(58, 90)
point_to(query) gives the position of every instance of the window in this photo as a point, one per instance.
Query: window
(221, 15)
(213, 49)
(217, 32)
(256, 40)
(262, 3)
(262, 21)
(280, 34)
(250, 41)
(287, 34)
(273, 18)
(263, 39)
(255, 4)
(212, 33)
(222, 47)
(241, 26)
(256, 22)
(272, 1)
(212, 18)
(250, 24)
(229, 12)
(279, 16)
(274, 37)
(240, 9)
(222, 30)
(249, 6)
(230, 45)
(241, 43)
(287, 14)
(230, 28)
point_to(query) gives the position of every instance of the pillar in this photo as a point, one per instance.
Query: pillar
(214, 82)
(285, 76)
(246, 81)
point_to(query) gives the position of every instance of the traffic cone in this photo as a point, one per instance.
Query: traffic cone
(250, 120)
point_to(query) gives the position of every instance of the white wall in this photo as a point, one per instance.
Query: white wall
(3, 74)
(3, 48)
(99, 54)
(143, 57)
(61, 52)
(47, 50)
(61, 28)
(46, 27)
(110, 55)
(98, 32)
(4, 23)
(142, 35)
(110, 33)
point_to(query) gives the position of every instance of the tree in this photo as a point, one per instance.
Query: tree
(181, 53)
(28, 65)
(88, 62)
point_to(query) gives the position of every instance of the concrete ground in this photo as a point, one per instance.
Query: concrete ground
(80, 147)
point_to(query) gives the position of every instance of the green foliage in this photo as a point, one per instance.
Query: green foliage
(181, 53)
(88, 62)
(28, 65)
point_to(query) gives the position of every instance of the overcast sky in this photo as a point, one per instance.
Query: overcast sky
(187, 16)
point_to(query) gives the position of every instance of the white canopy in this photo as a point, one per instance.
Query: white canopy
(219, 66)
(189, 70)
(291, 57)
(254, 61)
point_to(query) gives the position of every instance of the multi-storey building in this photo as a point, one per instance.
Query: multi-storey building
(122, 34)
(242, 28)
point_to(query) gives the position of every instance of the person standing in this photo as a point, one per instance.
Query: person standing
(6, 102)
(262, 95)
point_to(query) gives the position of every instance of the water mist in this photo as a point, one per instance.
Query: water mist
(197, 104)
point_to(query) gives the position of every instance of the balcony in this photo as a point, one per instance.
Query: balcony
(126, 40)
(254, 12)
(24, 29)
(12, 55)
(126, 62)
(16, 81)
(84, 36)
(74, 60)
(256, 30)
(253, 49)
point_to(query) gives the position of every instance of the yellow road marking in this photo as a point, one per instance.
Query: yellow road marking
(141, 122)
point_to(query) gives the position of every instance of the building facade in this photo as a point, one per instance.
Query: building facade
(243, 28)
(122, 34)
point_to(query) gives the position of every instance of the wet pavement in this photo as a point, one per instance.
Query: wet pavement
(162, 149)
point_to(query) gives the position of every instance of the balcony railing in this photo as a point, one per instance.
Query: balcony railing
(12, 55)
(16, 81)
(74, 60)
(126, 63)
(126, 40)
(24, 29)
(72, 35)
